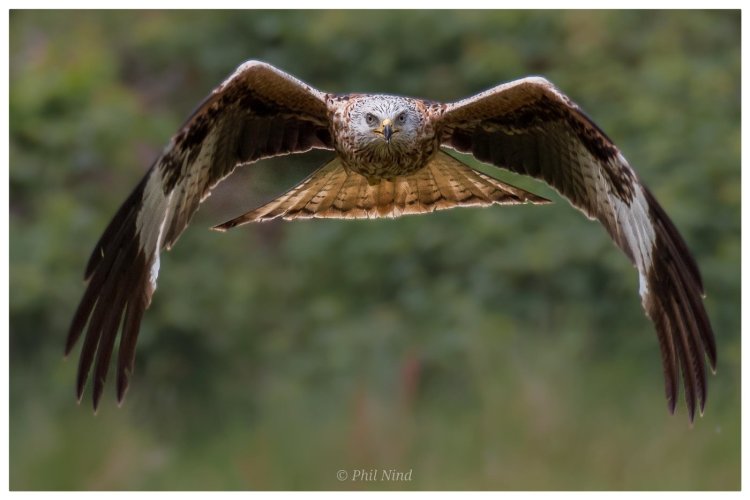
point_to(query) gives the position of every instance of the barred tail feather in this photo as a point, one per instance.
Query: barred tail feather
(336, 192)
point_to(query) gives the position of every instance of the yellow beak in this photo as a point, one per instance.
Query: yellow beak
(386, 128)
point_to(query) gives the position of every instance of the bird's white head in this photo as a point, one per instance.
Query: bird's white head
(385, 122)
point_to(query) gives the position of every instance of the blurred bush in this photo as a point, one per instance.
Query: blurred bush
(486, 349)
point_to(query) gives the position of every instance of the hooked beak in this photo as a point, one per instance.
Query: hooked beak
(386, 128)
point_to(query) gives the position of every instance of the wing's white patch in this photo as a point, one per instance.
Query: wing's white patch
(631, 220)
(151, 220)
(635, 226)
(151, 215)
(154, 272)
(642, 285)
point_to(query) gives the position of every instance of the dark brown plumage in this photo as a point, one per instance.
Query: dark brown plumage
(389, 161)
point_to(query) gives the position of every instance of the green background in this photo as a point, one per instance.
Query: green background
(500, 348)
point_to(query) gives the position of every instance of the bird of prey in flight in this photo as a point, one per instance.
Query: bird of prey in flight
(389, 160)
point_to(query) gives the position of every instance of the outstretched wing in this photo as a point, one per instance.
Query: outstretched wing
(257, 112)
(530, 127)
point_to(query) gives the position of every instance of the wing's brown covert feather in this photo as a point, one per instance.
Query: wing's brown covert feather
(530, 127)
(257, 112)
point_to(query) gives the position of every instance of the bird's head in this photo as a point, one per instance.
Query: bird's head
(385, 122)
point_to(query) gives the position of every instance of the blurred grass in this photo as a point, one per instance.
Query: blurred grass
(483, 349)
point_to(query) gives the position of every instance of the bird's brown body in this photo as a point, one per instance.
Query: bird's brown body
(389, 163)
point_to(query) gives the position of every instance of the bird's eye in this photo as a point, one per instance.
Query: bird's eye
(401, 118)
(370, 118)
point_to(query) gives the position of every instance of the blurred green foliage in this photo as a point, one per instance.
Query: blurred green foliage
(502, 348)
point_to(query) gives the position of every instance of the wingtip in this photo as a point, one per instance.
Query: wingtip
(671, 404)
(97, 398)
(538, 200)
(122, 389)
(691, 414)
(690, 410)
(70, 342)
(702, 406)
(712, 358)
(237, 221)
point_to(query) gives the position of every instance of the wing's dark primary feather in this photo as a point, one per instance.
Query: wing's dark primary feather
(258, 112)
(530, 127)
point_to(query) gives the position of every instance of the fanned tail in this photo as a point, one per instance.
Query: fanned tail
(337, 193)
